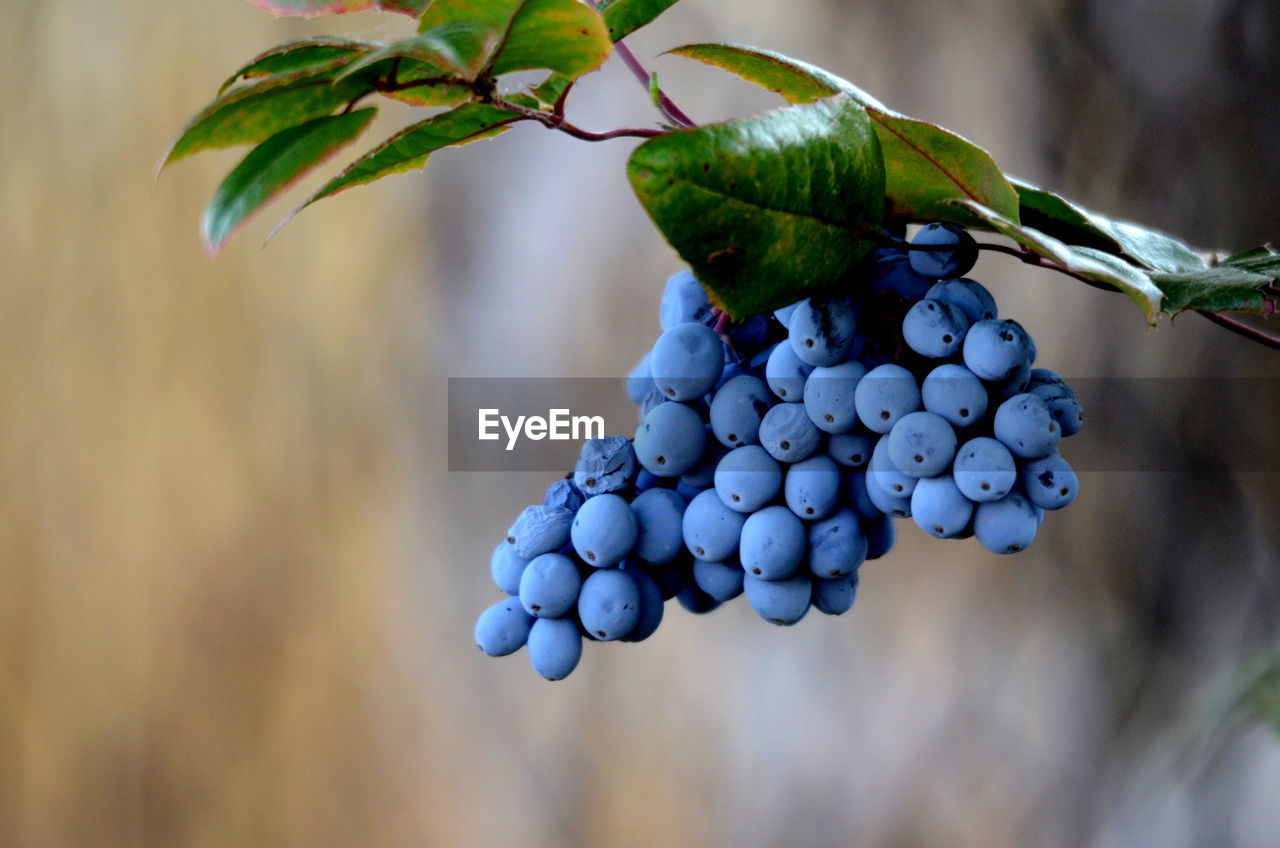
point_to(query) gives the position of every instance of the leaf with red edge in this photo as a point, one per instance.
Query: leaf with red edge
(304, 54)
(272, 167)
(926, 166)
(564, 36)
(408, 149)
(255, 112)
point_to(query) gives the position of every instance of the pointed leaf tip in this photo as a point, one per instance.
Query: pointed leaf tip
(273, 166)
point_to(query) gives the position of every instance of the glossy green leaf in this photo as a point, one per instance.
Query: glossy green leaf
(925, 165)
(770, 207)
(307, 53)
(255, 112)
(798, 82)
(564, 36)
(311, 8)
(1069, 222)
(408, 149)
(272, 167)
(624, 17)
(1086, 261)
(1214, 289)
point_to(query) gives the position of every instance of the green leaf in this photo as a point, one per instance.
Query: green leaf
(798, 82)
(1260, 260)
(311, 8)
(409, 148)
(1073, 224)
(458, 49)
(1060, 218)
(552, 90)
(624, 17)
(1214, 290)
(255, 112)
(925, 165)
(272, 167)
(770, 207)
(1085, 261)
(300, 55)
(564, 36)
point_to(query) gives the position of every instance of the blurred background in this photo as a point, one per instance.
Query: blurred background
(238, 581)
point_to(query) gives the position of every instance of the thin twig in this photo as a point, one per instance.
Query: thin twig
(1248, 331)
(668, 107)
(557, 122)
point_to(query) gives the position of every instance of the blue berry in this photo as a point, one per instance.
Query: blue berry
(884, 395)
(850, 450)
(1006, 526)
(893, 273)
(835, 596)
(604, 530)
(1023, 424)
(720, 580)
(787, 433)
(858, 498)
(955, 393)
(899, 506)
(922, 444)
(696, 601)
(563, 493)
(737, 409)
(939, 508)
(828, 396)
(934, 329)
(884, 472)
(683, 300)
(1068, 413)
(785, 373)
(984, 469)
(781, 602)
(943, 264)
(503, 628)
(549, 586)
(506, 568)
(651, 605)
(812, 487)
(686, 361)
(773, 543)
(539, 530)
(821, 330)
(1050, 483)
(555, 647)
(605, 465)
(747, 479)
(670, 440)
(609, 603)
(702, 475)
(880, 534)
(659, 517)
(837, 545)
(968, 296)
(640, 381)
(710, 528)
(997, 350)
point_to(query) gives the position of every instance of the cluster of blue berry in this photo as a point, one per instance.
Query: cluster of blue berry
(773, 455)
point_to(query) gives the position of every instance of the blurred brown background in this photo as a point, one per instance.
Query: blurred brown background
(237, 582)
